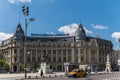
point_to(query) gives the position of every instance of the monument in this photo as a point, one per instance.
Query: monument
(44, 66)
(108, 65)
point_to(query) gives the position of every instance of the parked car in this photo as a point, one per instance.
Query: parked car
(2, 70)
(77, 73)
(28, 70)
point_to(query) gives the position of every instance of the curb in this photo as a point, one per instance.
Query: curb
(46, 76)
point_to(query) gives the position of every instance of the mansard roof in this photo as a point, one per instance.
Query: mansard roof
(100, 41)
(18, 34)
(52, 39)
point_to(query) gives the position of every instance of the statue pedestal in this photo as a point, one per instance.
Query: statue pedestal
(46, 68)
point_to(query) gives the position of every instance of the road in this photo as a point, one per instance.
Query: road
(60, 76)
(111, 76)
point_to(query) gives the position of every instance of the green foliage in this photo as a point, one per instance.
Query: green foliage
(22, 67)
(36, 66)
(4, 64)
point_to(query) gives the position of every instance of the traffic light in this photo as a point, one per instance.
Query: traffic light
(25, 10)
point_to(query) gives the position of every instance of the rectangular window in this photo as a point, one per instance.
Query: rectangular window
(59, 55)
(64, 55)
(69, 55)
(54, 55)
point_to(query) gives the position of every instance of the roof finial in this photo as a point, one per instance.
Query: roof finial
(19, 14)
(80, 22)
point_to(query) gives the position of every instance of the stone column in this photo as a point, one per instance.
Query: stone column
(31, 55)
(51, 55)
(85, 53)
(62, 55)
(73, 55)
(89, 56)
(56, 55)
(18, 59)
(11, 61)
(79, 56)
(36, 55)
(18, 55)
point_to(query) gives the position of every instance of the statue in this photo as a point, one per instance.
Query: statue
(108, 66)
(44, 64)
(44, 58)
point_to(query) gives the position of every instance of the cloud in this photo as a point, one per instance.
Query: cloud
(71, 29)
(17, 1)
(100, 27)
(4, 36)
(88, 31)
(116, 35)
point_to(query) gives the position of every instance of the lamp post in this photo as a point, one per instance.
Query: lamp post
(119, 54)
(25, 10)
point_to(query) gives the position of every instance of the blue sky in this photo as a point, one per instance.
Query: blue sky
(99, 17)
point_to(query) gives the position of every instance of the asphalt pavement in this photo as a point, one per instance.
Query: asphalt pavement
(59, 76)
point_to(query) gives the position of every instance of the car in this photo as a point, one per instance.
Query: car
(77, 73)
(28, 70)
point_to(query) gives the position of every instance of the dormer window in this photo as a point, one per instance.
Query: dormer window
(18, 29)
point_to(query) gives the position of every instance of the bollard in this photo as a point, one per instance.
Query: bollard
(29, 77)
(55, 75)
(49, 75)
(36, 77)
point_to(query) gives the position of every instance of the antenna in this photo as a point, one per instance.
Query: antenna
(19, 16)
(19, 13)
(80, 21)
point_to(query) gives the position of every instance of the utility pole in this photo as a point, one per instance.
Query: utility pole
(25, 10)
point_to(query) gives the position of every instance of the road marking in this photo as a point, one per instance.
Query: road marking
(118, 78)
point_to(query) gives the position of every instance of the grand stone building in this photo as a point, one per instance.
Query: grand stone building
(55, 50)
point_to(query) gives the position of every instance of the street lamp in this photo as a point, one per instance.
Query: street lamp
(119, 54)
(25, 10)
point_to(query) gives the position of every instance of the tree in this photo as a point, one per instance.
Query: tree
(35, 66)
(4, 64)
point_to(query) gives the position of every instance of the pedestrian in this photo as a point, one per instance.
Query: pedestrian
(88, 70)
(41, 73)
(96, 71)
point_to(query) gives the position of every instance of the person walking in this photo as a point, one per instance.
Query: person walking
(41, 73)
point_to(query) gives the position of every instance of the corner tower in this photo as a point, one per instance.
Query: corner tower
(18, 33)
(80, 33)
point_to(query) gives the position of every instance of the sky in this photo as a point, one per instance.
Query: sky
(100, 18)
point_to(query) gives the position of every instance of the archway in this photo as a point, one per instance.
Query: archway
(15, 68)
(59, 68)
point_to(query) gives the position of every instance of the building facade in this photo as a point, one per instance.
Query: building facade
(55, 50)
